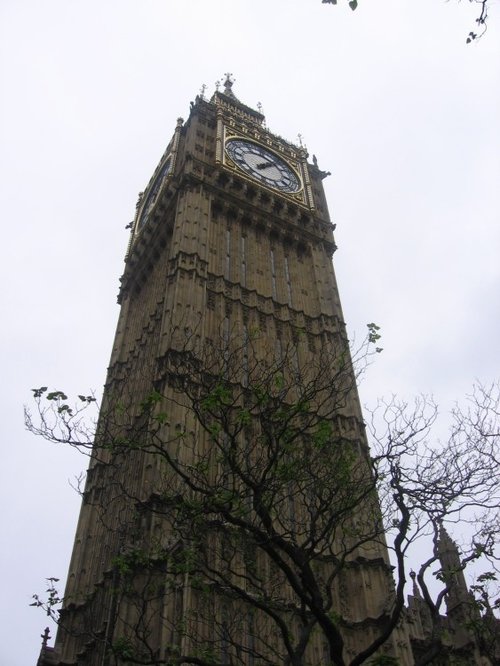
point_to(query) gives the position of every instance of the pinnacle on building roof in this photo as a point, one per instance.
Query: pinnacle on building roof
(228, 86)
(227, 96)
(445, 542)
(416, 589)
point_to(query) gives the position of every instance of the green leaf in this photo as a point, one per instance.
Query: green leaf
(373, 332)
(57, 395)
(323, 434)
(220, 397)
(353, 4)
(244, 416)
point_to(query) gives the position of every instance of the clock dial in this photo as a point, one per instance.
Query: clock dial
(152, 195)
(263, 165)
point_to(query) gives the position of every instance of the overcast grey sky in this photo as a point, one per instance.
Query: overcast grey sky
(389, 98)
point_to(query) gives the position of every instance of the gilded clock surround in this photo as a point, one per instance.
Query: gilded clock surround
(236, 121)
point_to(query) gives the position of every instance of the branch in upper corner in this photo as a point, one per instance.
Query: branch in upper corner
(473, 34)
(481, 21)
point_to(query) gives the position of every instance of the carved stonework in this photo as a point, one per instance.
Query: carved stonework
(217, 254)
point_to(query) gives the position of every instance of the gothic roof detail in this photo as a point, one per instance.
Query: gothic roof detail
(228, 98)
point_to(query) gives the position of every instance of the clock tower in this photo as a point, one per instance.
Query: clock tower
(229, 516)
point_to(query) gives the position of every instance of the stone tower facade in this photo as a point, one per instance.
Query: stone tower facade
(196, 511)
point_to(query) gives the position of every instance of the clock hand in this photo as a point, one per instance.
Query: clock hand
(264, 165)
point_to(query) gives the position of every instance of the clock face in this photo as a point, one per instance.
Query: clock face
(150, 200)
(263, 165)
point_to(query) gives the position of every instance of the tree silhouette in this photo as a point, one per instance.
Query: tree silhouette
(262, 503)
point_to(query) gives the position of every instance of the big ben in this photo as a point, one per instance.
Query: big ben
(229, 514)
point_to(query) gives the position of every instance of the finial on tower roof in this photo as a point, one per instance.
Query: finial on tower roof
(228, 83)
(45, 637)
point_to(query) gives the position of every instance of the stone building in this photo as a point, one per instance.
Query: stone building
(228, 288)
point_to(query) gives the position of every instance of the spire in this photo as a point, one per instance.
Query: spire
(227, 98)
(452, 569)
(416, 589)
(445, 541)
(448, 552)
(47, 653)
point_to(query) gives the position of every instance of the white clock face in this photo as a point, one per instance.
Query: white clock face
(263, 165)
(150, 200)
